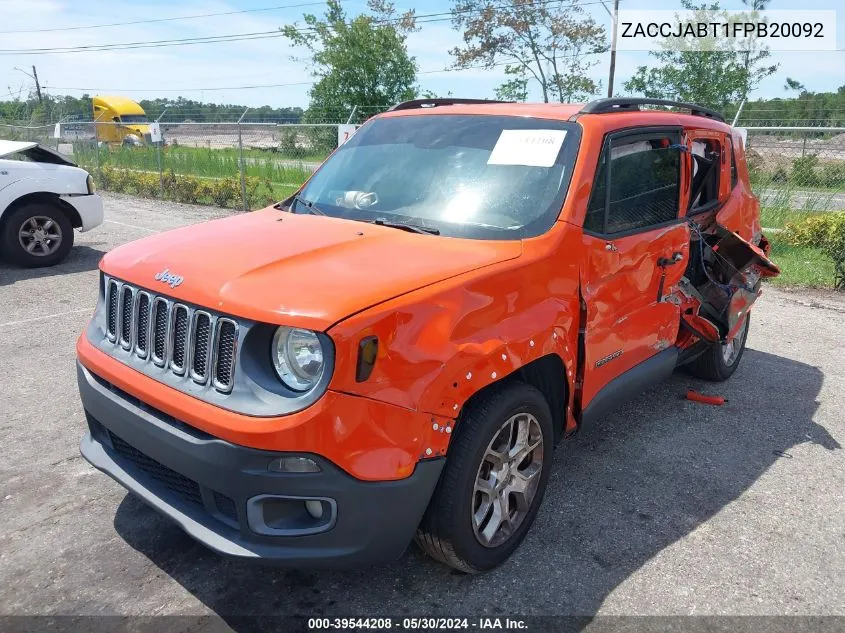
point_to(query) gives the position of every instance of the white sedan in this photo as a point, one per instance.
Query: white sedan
(43, 197)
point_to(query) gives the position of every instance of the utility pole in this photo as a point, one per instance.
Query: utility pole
(614, 17)
(38, 86)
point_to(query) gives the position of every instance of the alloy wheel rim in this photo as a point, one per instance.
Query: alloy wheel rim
(730, 351)
(40, 235)
(507, 480)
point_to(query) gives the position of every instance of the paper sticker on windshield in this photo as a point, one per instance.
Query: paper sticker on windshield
(533, 148)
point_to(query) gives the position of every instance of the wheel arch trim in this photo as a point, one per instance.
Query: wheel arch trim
(549, 375)
(43, 197)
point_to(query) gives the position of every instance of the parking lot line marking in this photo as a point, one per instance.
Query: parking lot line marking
(45, 317)
(132, 226)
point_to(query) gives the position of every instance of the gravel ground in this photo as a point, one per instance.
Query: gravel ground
(667, 508)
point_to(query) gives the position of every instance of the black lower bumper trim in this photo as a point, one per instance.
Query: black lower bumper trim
(204, 485)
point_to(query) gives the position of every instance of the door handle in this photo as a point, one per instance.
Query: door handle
(663, 262)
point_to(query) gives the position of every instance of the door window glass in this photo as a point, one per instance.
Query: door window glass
(642, 189)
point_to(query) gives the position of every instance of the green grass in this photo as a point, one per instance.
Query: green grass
(833, 187)
(279, 176)
(800, 266)
(777, 217)
(788, 199)
(202, 162)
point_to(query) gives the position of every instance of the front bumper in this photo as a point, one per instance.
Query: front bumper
(90, 209)
(210, 487)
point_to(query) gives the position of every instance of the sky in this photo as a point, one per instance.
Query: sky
(216, 72)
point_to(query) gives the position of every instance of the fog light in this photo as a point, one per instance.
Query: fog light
(278, 515)
(293, 465)
(315, 508)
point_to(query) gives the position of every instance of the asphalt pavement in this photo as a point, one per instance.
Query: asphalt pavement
(665, 508)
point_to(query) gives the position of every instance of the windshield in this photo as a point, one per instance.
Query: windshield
(133, 118)
(476, 176)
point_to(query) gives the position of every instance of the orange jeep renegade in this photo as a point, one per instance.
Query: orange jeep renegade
(393, 352)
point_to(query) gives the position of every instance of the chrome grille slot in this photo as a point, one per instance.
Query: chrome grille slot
(111, 309)
(127, 298)
(223, 367)
(142, 321)
(179, 338)
(161, 310)
(173, 336)
(201, 332)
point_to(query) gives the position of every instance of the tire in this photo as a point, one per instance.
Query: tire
(448, 531)
(716, 364)
(49, 239)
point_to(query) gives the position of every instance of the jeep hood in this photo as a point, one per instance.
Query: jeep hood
(300, 270)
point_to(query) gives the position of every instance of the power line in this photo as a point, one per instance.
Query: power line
(174, 19)
(257, 35)
(235, 37)
(279, 85)
(13, 93)
(251, 87)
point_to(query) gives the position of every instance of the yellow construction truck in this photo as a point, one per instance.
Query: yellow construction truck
(120, 121)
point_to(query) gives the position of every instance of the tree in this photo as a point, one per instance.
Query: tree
(515, 89)
(706, 71)
(754, 52)
(710, 71)
(430, 94)
(538, 41)
(363, 62)
(794, 85)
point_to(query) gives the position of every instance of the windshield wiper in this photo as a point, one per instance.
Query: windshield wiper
(405, 226)
(307, 204)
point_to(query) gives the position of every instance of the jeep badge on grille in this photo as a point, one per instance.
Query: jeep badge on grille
(169, 278)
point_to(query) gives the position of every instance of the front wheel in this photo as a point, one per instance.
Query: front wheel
(37, 234)
(720, 361)
(493, 482)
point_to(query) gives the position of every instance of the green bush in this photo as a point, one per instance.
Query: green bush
(223, 192)
(226, 191)
(805, 172)
(833, 174)
(147, 185)
(288, 144)
(826, 232)
(320, 141)
(779, 174)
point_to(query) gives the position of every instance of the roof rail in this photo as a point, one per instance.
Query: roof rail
(437, 101)
(617, 104)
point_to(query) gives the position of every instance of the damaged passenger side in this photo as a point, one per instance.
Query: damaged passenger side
(724, 272)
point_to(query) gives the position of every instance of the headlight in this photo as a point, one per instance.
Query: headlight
(90, 183)
(298, 358)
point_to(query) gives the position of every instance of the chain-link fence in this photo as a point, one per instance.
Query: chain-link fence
(249, 162)
(797, 169)
(243, 159)
(241, 164)
(43, 134)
